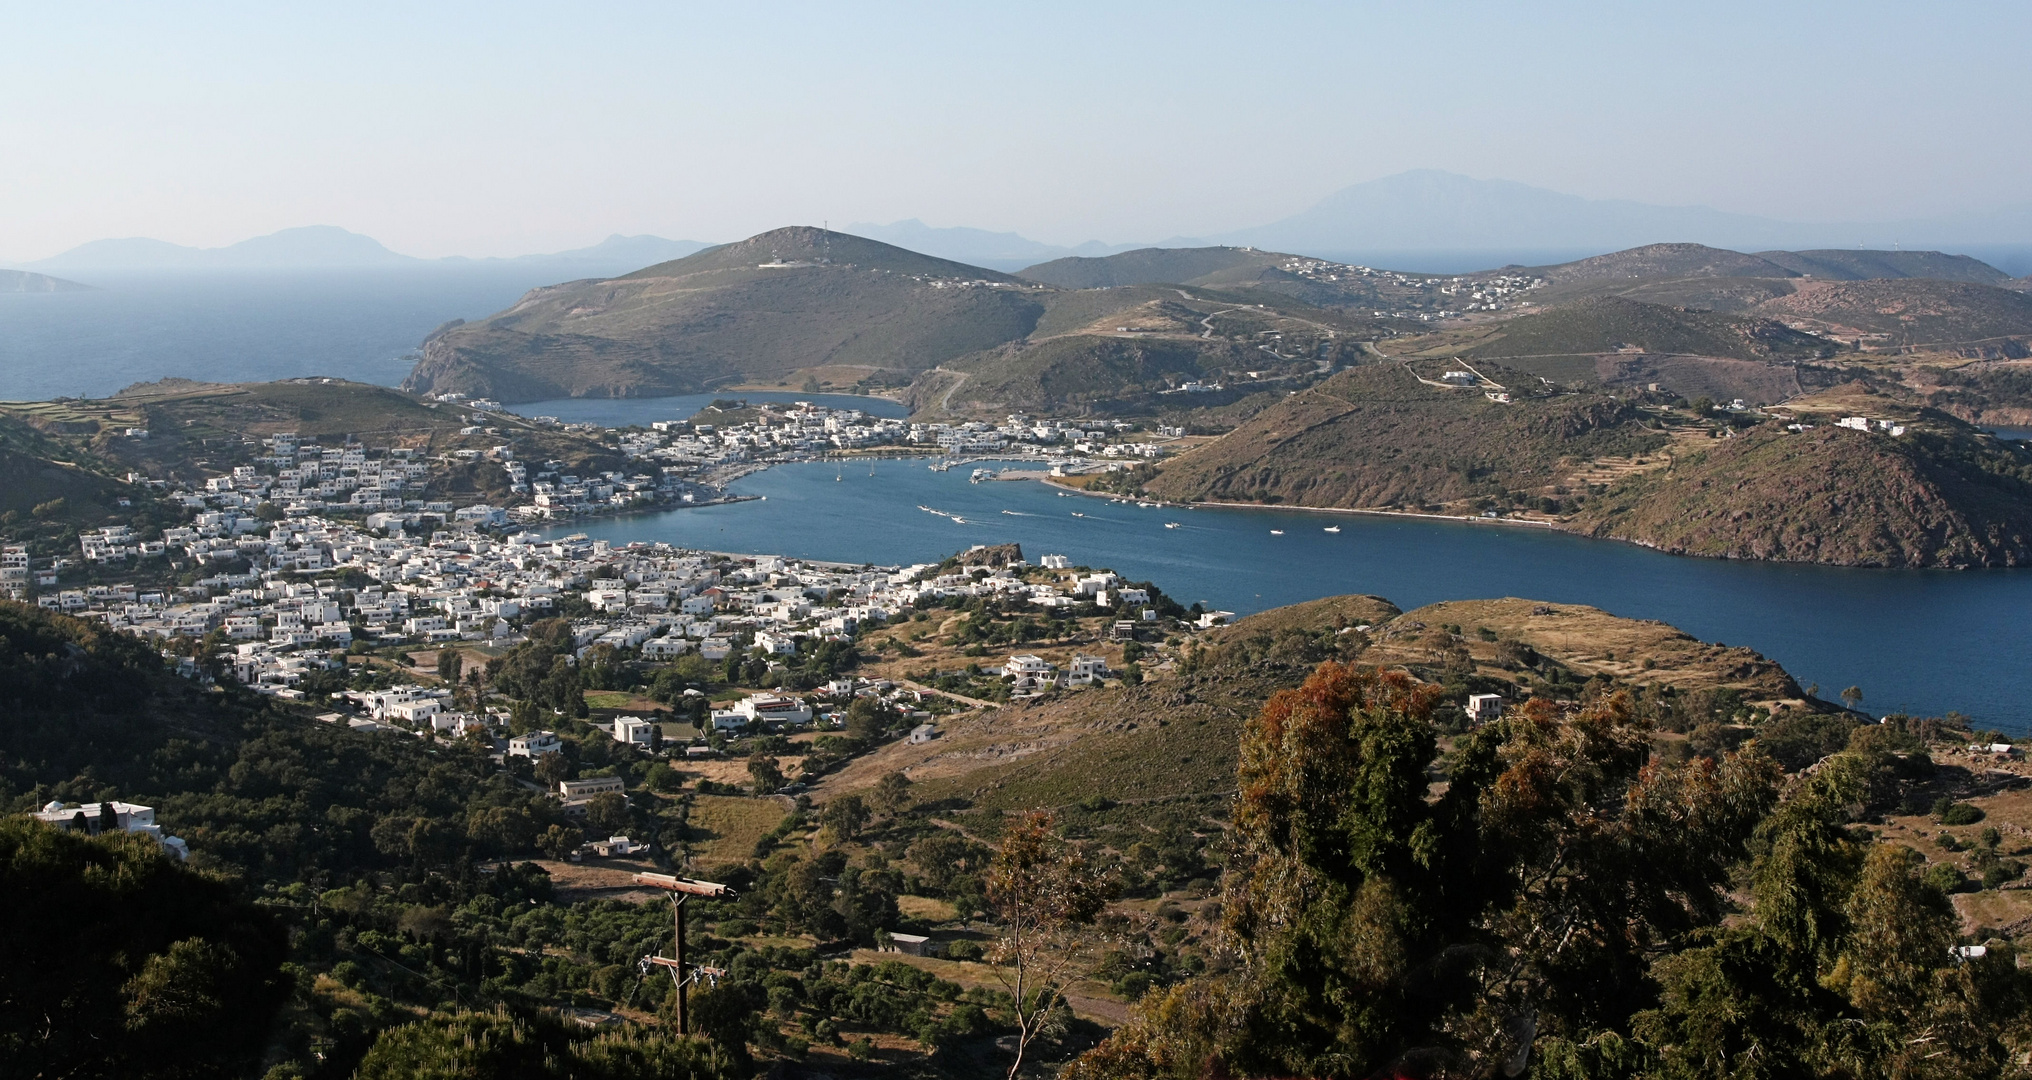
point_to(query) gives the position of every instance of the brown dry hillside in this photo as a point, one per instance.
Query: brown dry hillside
(1587, 641)
(1942, 497)
(1174, 738)
(1377, 437)
(1914, 311)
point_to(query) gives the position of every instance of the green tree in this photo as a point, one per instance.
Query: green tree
(449, 664)
(764, 775)
(891, 794)
(1516, 912)
(607, 814)
(845, 815)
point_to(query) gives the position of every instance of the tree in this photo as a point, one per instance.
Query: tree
(607, 813)
(559, 841)
(891, 794)
(767, 778)
(845, 816)
(1380, 929)
(450, 663)
(554, 768)
(1852, 697)
(1046, 894)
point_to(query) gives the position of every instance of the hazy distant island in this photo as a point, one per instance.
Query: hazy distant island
(22, 281)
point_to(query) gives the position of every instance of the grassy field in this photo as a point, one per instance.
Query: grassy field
(724, 828)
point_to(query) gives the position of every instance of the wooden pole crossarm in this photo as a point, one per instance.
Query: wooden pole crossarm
(688, 886)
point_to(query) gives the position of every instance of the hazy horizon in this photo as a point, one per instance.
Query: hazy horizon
(502, 131)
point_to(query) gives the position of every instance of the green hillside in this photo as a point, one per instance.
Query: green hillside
(1942, 498)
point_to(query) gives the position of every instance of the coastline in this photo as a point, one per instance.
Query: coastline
(1516, 522)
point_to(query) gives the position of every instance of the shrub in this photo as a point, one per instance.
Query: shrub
(1948, 812)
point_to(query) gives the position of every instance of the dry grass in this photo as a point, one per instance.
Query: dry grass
(930, 909)
(1587, 640)
(726, 827)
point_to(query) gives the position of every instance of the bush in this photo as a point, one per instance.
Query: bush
(1945, 878)
(1948, 812)
(2002, 871)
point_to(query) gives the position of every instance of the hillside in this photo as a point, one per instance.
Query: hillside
(1146, 266)
(1609, 324)
(1838, 264)
(1173, 740)
(1931, 498)
(1378, 437)
(22, 281)
(1910, 312)
(759, 309)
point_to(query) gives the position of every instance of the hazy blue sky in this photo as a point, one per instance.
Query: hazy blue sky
(500, 128)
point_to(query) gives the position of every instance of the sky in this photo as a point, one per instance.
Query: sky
(508, 128)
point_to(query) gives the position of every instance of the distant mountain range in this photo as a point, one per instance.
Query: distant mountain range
(327, 247)
(1424, 220)
(1429, 210)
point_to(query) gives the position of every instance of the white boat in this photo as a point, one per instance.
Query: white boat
(1076, 513)
(1277, 532)
(980, 475)
(1333, 528)
(1171, 524)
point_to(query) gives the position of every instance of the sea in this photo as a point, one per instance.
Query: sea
(238, 326)
(1923, 642)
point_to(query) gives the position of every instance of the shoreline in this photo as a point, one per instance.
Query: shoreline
(1052, 482)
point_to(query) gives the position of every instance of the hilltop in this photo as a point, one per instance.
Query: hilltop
(1378, 437)
(1613, 324)
(763, 308)
(804, 305)
(1933, 498)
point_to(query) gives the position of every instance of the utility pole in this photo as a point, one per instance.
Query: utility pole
(681, 890)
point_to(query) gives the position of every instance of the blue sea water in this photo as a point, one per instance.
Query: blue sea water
(235, 326)
(1919, 641)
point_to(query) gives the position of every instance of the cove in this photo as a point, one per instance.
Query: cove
(1918, 641)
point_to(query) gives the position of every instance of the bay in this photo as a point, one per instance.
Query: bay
(1917, 641)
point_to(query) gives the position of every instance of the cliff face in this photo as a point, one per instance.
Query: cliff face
(1831, 495)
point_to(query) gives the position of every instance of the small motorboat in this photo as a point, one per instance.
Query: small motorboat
(1076, 513)
(1171, 524)
(1277, 532)
(1333, 528)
